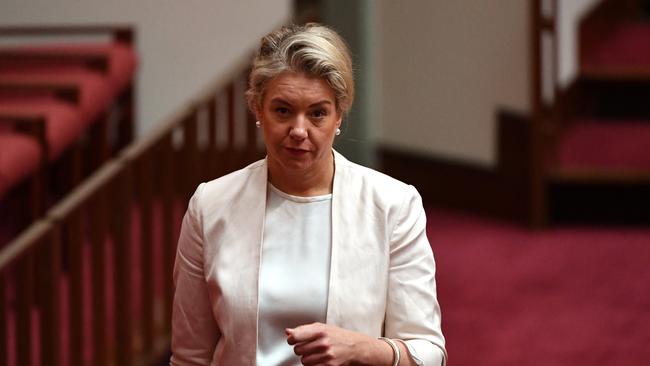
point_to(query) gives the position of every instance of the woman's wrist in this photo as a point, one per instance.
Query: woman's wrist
(397, 354)
(373, 352)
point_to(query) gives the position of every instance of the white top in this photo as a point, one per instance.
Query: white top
(294, 273)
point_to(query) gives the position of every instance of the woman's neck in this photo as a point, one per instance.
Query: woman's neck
(305, 183)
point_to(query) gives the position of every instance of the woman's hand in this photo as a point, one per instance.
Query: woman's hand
(323, 344)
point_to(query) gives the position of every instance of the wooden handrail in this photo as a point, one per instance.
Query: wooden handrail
(23, 243)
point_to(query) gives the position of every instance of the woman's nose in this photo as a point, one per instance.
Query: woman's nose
(298, 130)
(298, 133)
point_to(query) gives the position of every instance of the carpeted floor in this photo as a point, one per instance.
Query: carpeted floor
(567, 296)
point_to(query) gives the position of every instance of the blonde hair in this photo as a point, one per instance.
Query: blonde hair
(312, 49)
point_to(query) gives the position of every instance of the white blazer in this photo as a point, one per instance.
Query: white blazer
(382, 269)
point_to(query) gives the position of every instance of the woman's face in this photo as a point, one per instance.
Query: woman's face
(299, 121)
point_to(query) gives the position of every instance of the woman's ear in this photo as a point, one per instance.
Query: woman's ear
(340, 120)
(257, 111)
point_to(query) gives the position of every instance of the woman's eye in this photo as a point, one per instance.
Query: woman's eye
(282, 111)
(319, 113)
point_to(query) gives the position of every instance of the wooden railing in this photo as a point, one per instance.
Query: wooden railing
(544, 87)
(90, 283)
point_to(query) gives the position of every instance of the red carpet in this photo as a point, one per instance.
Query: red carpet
(570, 296)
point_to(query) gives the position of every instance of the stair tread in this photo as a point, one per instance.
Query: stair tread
(624, 52)
(612, 147)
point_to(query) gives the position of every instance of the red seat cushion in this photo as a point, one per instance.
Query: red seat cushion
(20, 155)
(122, 60)
(95, 90)
(63, 122)
(606, 144)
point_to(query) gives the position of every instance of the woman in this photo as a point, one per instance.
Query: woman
(304, 257)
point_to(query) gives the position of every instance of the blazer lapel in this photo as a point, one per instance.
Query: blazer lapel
(244, 262)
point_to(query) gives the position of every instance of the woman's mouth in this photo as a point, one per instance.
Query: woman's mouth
(296, 152)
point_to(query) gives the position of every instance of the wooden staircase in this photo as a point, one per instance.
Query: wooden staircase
(593, 138)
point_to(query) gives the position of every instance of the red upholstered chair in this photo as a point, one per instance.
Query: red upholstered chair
(58, 106)
(38, 125)
(110, 63)
(74, 92)
(63, 121)
(94, 90)
(116, 60)
(93, 110)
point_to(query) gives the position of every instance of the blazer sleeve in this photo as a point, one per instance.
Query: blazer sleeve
(194, 329)
(412, 309)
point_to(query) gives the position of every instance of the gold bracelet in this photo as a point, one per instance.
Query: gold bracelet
(396, 352)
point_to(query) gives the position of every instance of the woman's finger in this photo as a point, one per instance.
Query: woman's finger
(315, 359)
(305, 333)
(311, 347)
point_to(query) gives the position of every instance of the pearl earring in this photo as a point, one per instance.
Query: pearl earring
(338, 131)
(258, 124)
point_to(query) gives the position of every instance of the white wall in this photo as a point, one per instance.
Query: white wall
(446, 68)
(183, 45)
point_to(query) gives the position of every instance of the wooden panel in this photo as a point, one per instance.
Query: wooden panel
(144, 187)
(17, 272)
(231, 162)
(49, 272)
(100, 149)
(73, 236)
(190, 154)
(212, 170)
(98, 233)
(127, 118)
(121, 233)
(168, 200)
(252, 152)
(536, 184)
(24, 299)
(4, 329)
